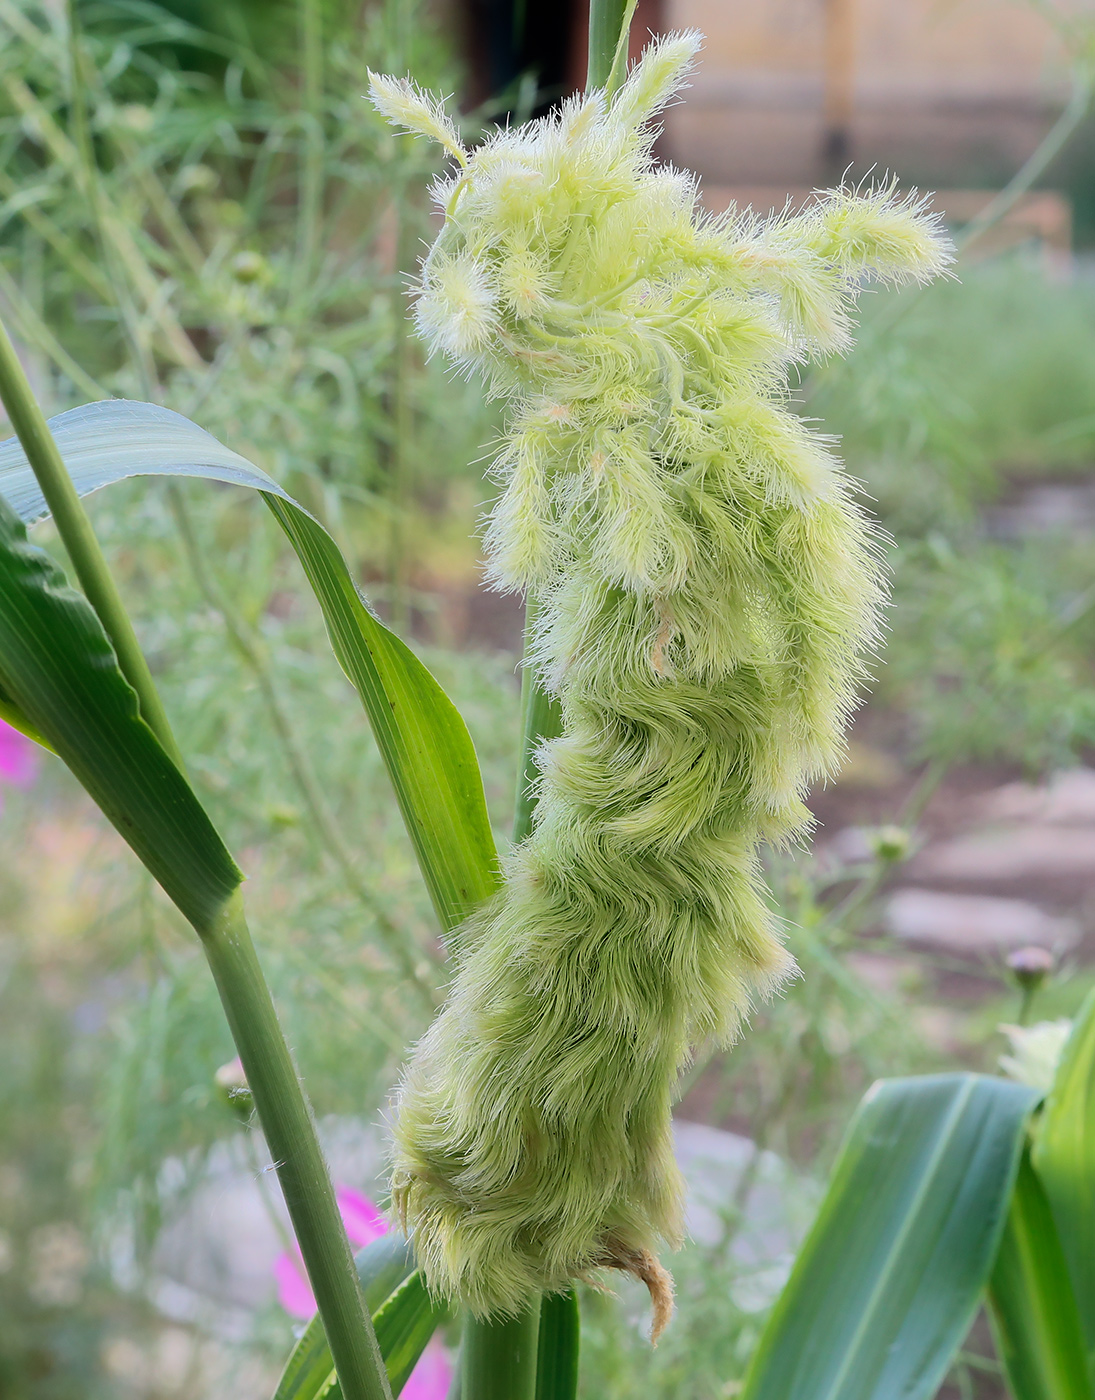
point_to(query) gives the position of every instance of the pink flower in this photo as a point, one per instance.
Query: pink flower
(364, 1223)
(18, 758)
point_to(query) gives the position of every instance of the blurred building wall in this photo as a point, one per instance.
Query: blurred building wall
(944, 92)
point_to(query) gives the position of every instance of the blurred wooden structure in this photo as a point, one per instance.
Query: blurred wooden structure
(951, 95)
(790, 92)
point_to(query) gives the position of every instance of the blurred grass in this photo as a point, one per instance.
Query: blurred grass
(952, 389)
(193, 221)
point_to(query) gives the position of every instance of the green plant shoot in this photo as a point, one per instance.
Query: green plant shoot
(707, 590)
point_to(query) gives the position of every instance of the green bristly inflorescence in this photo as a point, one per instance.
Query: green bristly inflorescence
(707, 589)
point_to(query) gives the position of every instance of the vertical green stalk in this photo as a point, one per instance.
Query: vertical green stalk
(557, 1349)
(75, 530)
(609, 25)
(310, 20)
(289, 1129)
(498, 1358)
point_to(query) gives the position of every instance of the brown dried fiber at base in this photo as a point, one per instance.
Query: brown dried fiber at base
(646, 1267)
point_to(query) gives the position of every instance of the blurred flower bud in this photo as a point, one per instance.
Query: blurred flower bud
(31, 127)
(283, 815)
(1030, 966)
(233, 1090)
(250, 267)
(135, 116)
(196, 179)
(231, 213)
(890, 843)
(1035, 1052)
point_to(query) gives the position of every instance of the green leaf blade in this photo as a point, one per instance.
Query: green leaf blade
(1064, 1158)
(1032, 1304)
(60, 672)
(404, 1320)
(421, 735)
(382, 1267)
(422, 738)
(404, 1324)
(890, 1277)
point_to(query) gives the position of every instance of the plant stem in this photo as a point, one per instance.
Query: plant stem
(79, 539)
(557, 1347)
(290, 1133)
(609, 22)
(498, 1357)
(310, 21)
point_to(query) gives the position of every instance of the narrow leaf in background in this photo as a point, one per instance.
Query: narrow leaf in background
(891, 1275)
(1064, 1157)
(413, 1357)
(1033, 1307)
(381, 1266)
(404, 1326)
(405, 1320)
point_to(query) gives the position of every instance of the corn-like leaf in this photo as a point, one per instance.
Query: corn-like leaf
(382, 1267)
(404, 1316)
(404, 1324)
(59, 670)
(1033, 1306)
(422, 737)
(1064, 1157)
(11, 714)
(890, 1277)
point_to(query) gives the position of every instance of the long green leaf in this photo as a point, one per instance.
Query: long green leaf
(1064, 1157)
(59, 669)
(422, 738)
(1032, 1304)
(382, 1266)
(11, 714)
(890, 1277)
(404, 1322)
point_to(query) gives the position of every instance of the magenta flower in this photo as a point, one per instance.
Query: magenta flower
(364, 1223)
(18, 759)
